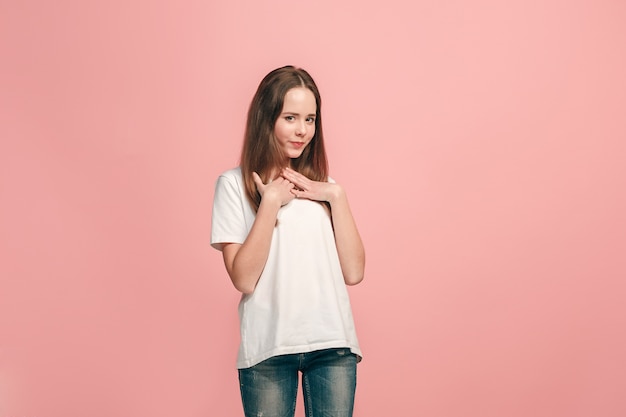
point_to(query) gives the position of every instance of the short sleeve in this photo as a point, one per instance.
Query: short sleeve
(228, 223)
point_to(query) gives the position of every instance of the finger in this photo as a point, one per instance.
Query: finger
(293, 173)
(257, 180)
(294, 177)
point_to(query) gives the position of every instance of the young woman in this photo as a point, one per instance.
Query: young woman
(290, 245)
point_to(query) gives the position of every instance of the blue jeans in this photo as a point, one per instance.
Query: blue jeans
(269, 388)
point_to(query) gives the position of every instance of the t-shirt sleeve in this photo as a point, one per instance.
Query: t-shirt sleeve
(228, 224)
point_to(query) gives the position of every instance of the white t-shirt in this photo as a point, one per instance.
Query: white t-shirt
(300, 303)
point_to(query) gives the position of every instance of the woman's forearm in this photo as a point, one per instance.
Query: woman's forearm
(348, 240)
(246, 262)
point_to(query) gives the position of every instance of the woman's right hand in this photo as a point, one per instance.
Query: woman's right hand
(245, 261)
(278, 190)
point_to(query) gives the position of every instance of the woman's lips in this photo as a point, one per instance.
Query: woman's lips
(297, 145)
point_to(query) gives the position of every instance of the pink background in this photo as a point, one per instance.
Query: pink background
(482, 144)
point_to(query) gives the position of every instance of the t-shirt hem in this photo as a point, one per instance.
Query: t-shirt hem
(288, 350)
(216, 243)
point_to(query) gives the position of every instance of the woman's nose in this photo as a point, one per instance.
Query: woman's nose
(301, 128)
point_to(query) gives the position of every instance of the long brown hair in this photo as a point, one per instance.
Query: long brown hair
(260, 152)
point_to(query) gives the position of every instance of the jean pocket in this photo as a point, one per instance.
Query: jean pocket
(343, 351)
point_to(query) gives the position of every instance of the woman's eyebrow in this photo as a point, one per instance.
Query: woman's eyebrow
(296, 113)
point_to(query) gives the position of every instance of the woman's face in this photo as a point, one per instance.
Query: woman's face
(295, 125)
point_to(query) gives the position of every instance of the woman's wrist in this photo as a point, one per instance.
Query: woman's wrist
(336, 194)
(270, 203)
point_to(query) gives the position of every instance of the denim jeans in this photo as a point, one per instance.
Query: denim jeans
(269, 388)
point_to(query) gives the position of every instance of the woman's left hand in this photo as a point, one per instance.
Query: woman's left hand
(306, 188)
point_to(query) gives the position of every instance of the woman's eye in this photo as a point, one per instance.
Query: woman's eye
(290, 118)
(310, 119)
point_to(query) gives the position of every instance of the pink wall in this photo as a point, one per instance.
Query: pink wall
(482, 144)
